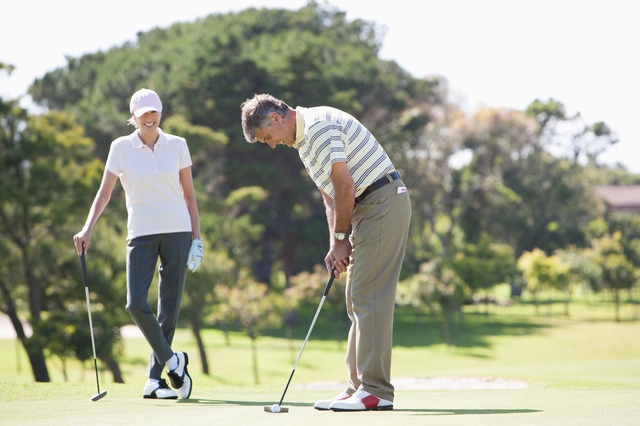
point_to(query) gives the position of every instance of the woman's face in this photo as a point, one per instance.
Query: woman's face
(149, 121)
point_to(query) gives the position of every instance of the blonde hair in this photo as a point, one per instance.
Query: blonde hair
(132, 121)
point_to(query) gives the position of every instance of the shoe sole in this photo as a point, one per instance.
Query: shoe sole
(155, 397)
(385, 408)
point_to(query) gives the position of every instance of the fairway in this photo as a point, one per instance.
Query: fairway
(582, 369)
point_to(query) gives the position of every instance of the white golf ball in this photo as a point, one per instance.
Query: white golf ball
(275, 408)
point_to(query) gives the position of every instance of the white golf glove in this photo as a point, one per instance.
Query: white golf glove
(196, 253)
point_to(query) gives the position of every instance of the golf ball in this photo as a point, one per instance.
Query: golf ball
(275, 408)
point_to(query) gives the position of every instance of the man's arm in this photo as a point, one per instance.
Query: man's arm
(339, 210)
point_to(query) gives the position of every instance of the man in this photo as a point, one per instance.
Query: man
(363, 192)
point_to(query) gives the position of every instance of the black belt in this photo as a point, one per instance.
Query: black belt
(377, 185)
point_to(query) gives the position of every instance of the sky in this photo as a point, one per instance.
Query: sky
(497, 53)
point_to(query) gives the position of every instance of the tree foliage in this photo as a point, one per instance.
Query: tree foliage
(42, 158)
(204, 70)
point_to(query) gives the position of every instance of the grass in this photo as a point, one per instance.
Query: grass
(581, 369)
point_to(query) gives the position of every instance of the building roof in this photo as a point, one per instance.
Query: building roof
(620, 196)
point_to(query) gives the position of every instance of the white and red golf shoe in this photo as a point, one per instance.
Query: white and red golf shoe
(361, 401)
(324, 404)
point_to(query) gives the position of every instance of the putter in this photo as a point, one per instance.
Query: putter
(278, 408)
(99, 395)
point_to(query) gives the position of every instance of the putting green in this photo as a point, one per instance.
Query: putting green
(71, 404)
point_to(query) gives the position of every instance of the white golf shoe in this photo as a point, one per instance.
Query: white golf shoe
(324, 404)
(180, 379)
(361, 401)
(158, 389)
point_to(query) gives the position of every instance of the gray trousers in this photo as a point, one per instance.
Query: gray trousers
(142, 257)
(380, 226)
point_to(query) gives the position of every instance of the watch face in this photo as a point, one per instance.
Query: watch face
(340, 236)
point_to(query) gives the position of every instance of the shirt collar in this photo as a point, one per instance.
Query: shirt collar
(299, 125)
(137, 143)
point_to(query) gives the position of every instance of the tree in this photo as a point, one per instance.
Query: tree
(542, 272)
(253, 307)
(570, 136)
(517, 192)
(569, 266)
(536, 272)
(217, 270)
(482, 266)
(46, 170)
(435, 284)
(607, 267)
(230, 237)
(308, 288)
(430, 131)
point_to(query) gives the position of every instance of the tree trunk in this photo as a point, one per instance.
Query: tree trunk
(34, 352)
(38, 364)
(289, 336)
(195, 327)
(225, 332)
(113, 366)
(446, 330)
(616, 296)
(461, 317)
(254, 355)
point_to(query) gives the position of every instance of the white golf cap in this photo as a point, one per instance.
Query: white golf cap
(145, 100)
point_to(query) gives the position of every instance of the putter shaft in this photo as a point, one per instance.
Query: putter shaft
(324, 296)
(93, 342)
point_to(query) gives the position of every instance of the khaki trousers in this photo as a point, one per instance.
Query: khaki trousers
(380, 226)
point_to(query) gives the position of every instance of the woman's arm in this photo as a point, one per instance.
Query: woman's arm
(186, 181)
(99, 203)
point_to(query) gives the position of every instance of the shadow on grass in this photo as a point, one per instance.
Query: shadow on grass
(471, 331)
(413, 411)
(458, 412)
(412, 329)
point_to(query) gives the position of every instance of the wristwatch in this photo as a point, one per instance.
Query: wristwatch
(340, 236)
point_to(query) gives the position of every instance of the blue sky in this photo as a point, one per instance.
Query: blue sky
(499, 53)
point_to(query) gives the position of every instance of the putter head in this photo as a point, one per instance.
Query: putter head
(99, 396)
(282, 410)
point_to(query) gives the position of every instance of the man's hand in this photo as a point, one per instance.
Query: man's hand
(196, 253)
(338, 257)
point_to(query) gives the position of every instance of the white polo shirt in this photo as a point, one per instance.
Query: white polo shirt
(151, 181)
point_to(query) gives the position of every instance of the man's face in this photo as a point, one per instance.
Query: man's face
(276, 133)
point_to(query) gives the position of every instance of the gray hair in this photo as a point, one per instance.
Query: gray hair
(256, 114)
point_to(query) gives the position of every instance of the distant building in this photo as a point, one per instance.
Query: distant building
(623, 198)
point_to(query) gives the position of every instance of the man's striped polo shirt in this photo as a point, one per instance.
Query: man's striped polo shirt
(326, 135)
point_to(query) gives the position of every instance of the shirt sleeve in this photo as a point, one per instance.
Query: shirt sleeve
(185, 156)
(114, 164)
(331, 147)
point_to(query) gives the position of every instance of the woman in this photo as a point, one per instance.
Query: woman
(155, 171)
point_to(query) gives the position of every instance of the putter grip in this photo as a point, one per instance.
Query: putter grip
(328, 287)
(84, 268)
